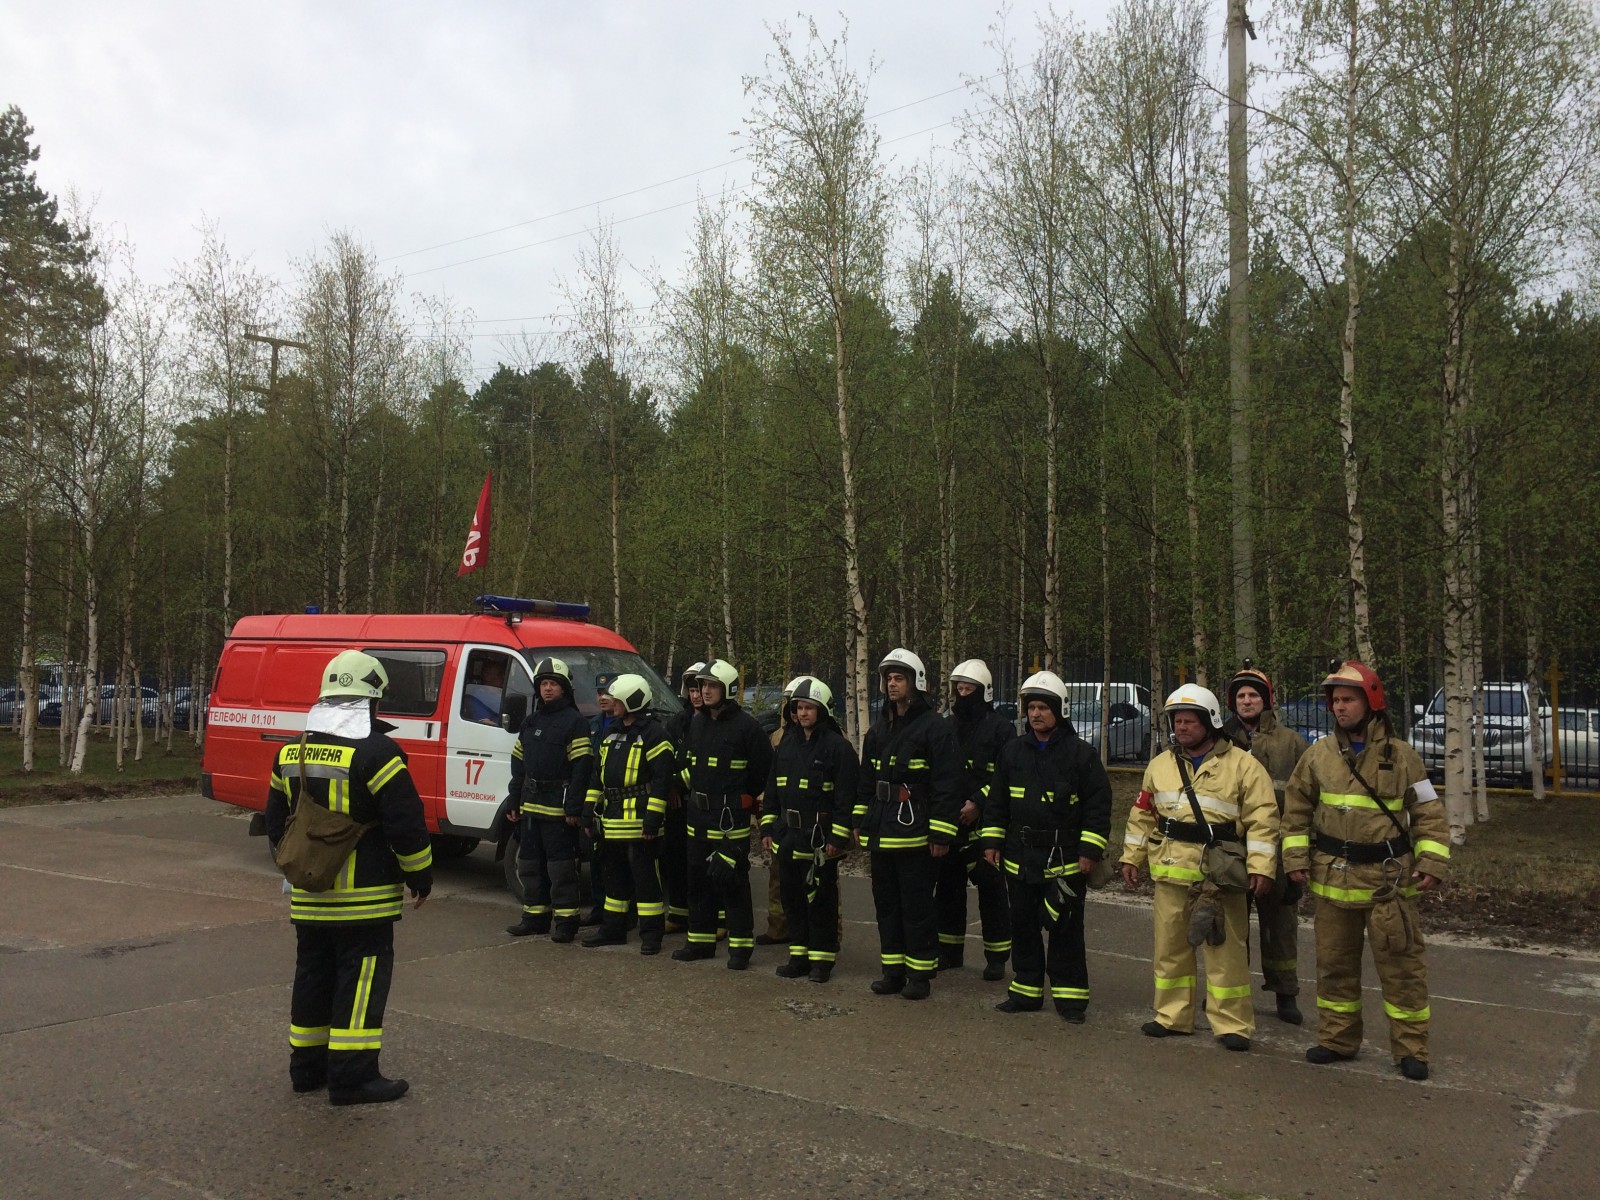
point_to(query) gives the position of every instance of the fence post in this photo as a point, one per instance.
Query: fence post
(1554, 676)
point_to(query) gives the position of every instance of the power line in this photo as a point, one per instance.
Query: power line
(652, 186)
(640, 216)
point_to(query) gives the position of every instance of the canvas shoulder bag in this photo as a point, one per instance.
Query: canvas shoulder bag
(316, 840)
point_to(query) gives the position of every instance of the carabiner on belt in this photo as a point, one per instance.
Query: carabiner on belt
(725, 818)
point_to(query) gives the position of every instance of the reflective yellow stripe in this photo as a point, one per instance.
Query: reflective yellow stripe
(889, 843)
(1297, 841)
(1339, 800)
(516, 748)
(1437, 849)
(1094, 839)
(658, 750)
(308, 1035)
(1022, 989)
(419, 861)
(385, 773)
(1177, 874)
(1344, 1006)
(1177, 981)
(944, 827)
(358, 1010)
(355, 1038)
(1227, 993)
(1407, 1014)
(1348, 895)
(579, 747)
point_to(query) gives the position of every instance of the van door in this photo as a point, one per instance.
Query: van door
(478, 765)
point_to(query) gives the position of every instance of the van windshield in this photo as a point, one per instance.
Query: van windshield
(591, 663)
(1497, 702)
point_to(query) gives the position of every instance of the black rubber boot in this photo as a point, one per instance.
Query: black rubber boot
(1413, 1068)
(917, 988)
(1234, 1041)
(793, 969)
(595, 916)
(1289, 1010)
(309, 1083)
(1156, 1029)
(373, 1091)
(952, 958)
(1322, 1056)
(820, 972)
(693, 952)
(649, 946)
(739, 960)
(1013, 1005)
(994, 969)
(890, 985)
(1072, 1016)
(606, 937)
(529, 924)
(565, 931)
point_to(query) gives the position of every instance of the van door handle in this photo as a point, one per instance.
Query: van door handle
(477, 753)
(279, 737)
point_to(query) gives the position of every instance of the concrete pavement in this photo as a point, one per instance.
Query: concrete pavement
(145, 958)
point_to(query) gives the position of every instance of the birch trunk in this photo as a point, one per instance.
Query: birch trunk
(1191, 495)
(1457, 633)
(855, 596)
(1535, 720)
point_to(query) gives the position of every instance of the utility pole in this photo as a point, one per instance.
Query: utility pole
(277, 343)
(1244, 570)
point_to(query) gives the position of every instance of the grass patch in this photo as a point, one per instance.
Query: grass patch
(158, 773)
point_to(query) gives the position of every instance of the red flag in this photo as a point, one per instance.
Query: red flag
(477, 552)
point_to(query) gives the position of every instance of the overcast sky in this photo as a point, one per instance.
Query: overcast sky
(416, 124)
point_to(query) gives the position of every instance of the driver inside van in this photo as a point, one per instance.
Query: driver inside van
(480, 701)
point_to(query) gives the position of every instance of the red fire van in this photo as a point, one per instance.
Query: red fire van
(459, 686)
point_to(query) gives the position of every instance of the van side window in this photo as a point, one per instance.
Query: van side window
(414, 680)
(491, 677)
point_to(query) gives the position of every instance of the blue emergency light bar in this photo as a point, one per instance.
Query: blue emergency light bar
(538, 608)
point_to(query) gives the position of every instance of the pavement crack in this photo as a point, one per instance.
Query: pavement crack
(1548, 1115)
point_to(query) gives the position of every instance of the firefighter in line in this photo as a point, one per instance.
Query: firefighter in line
(1365, 828)
(627, 800)
(675, 833)
(1253, 723)
(982, 733)
(907, 814)
(550, 765)
(608, 714)
(1237, 822)
(1046, 823)
(344, 937)
(805, 824)
(777, 931)
(725, 769)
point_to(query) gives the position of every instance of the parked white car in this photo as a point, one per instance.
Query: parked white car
(1505, 732)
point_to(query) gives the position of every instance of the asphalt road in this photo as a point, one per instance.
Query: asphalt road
(145, 957)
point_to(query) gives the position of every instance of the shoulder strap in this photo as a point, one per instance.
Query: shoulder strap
(301, 790)
(1350, 761)
(1188, 790)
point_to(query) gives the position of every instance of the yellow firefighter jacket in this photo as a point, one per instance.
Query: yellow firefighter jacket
(1234, 791)
(1275, 746)
(1330, 819)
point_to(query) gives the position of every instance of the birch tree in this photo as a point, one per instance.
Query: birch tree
(1492, 113)
(348, 313)
(224, 299)
(1022, 151)
(602, 332)
(820, 212)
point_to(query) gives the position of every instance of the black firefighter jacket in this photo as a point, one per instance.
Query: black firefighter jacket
(369, 780)
(1048, 806)
(910, 782)
(724, 770)
(982, 736)
(810, 791)
(551, 761)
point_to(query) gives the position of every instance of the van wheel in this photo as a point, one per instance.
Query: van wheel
(509, 863)
(448, 846)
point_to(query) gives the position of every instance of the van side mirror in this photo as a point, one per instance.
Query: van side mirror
(1416, 710)
(513, 711)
